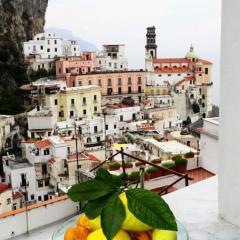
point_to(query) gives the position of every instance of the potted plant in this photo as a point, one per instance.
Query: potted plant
(116, 211)
(156, 161)
(168, 165)
(128, 165)
(114, 166)
(134, 175)
(137, 164)
(189, 155)
(175, 157)
(153, 172)
(181, 164)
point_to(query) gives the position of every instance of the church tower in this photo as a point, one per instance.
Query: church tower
(151, 47)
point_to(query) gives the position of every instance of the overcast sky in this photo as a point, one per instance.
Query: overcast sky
(179, 23)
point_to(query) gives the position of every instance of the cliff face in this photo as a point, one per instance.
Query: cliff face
(20, 20)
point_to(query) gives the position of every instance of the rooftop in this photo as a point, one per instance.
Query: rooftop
(196, 207)
(173, 147)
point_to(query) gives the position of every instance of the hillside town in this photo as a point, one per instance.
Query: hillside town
(92, 107)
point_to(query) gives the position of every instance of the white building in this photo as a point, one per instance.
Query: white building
(125, 113)
(40, 123)
(92, 131)
(166, 150)
(112, 58)
(209, 145)
(21, 176)
(49, 46)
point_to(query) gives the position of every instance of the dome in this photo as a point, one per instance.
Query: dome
(191, 53)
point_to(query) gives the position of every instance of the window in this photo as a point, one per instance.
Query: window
(46, 151)
(61, 114)
(9, 201)
(206, 71)
(71, 114)
(115, 126)
(48, 50)
(41, 47)
(109, 91)
(169, 75)
(179, 74)
(129, 90)
(129, 80)
(55, 42)
(95, 98)
(84, 101)
(110, 64)
(40, 183)
(56, 50)
(203, 105)
(203, 96)
(119, 90)
(95, 129)
(119, 81)
(72, 101)
(139, 89)
(80, 83)
(99, 82)
(121, 118)
(200, 75)
(139, 80)
(55, 102)
(84, 112)
(39, 198)
(160, 75)
(106, 127)
(48, 42)
(90, 82)
(115, 65)
(46, 182)
(95, 109)
(44, 169)
(109, 82)
(188, 143)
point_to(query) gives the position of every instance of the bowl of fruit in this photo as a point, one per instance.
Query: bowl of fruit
(117, 211)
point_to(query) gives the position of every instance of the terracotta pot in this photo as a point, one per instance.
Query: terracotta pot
(156, 174)
(181, 168)
(128, 166)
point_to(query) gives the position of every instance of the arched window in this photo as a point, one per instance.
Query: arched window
(89, 140)
(203, 96)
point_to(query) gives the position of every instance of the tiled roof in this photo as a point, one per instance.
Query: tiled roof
(3, 187)
(204, 61)
(43, 143)
(91, 157)
(172, 70)
(199, 174)
(189, 78)
(17, 195)
(171, 60)
(180, 83)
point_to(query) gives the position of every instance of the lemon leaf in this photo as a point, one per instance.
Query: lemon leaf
(151, 209)
(110, 179)
(89, 190)
(94, 208)
(112, 217)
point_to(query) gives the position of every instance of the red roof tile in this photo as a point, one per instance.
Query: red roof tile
(171, 60)
(180, 83)
(17, 195)
(91, 157)
(172, 70)
(43, 143)
(189, 78)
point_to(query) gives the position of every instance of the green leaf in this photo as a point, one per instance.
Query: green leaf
(89, 190)
(108, 178)
(112, 217)
(94, 208)
(151, 209)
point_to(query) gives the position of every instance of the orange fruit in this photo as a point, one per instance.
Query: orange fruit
(141, 235)
(76, 233)
(83, 221)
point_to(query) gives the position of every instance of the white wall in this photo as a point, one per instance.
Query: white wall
(38, 217)
(229, 148)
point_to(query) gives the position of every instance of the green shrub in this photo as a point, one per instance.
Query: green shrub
(114, 164)
(152, 170)
(181, 160)
(189, 155)
(134, 175)
(168, 165)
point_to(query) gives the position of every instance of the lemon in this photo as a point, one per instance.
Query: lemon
(164, 235)
(131, 223)
(95, 223)
(99, 235)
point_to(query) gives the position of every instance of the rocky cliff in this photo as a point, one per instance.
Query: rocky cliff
(20, 20)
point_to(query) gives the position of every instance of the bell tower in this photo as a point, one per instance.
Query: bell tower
(151, 47)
